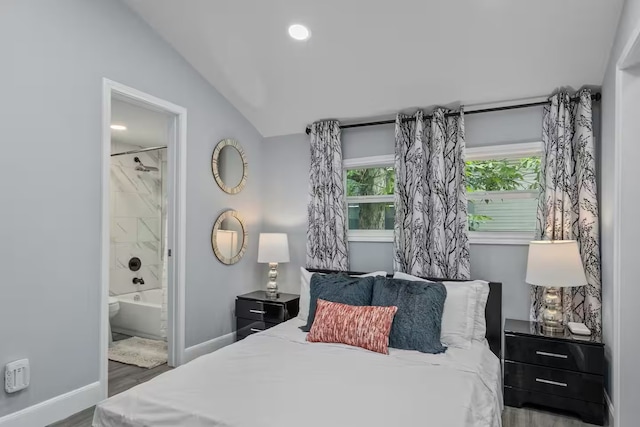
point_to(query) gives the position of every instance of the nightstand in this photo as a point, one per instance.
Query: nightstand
(255, 312)
(563, 372)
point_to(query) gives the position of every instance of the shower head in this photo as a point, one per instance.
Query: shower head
(142, 168)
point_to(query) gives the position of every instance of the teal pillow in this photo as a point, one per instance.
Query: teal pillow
(338, 288)
(418, 321)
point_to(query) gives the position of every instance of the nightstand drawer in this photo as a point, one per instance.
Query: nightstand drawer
(575, 385)
(556, 354)
(258, 310)
(246, 327)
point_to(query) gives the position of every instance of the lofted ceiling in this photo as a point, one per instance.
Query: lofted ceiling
(369, 58)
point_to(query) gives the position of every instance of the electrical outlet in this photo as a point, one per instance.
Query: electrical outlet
(17, 375)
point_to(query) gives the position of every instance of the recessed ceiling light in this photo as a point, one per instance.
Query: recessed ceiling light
(299, 32)
(118, 127)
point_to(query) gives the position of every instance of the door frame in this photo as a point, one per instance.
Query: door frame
(176, 219)
(629, 58)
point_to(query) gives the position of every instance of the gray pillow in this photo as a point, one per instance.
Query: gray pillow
(418, 320)
(338, 288)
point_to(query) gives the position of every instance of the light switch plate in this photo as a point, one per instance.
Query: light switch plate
(17, 375)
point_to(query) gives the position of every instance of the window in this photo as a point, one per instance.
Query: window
(369, 183)
(502, 192)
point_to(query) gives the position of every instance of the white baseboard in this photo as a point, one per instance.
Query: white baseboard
(55, 409)
(607, 401)
(206, 347)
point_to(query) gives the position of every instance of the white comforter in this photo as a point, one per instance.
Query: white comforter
(275, 378)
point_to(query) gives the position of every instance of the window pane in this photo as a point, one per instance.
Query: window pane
(370, 181)
(503, 175)
(502, 215)
(371, 216)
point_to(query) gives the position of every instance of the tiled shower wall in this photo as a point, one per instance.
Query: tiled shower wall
(136, 215)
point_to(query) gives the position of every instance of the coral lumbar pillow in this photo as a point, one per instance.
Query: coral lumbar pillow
(367, 327)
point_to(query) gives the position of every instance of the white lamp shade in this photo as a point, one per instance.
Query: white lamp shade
(555, 263)
(273, 247)
(227, 241)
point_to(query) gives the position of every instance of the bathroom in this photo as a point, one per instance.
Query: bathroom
(138, 234)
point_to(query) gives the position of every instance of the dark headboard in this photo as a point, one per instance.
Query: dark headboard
(493, 311)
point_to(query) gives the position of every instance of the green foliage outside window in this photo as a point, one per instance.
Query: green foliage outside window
(503, 175)
(500, 175)
(481, 175)
(370, 182)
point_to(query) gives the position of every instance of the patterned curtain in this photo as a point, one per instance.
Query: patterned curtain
(431, 231)
(568, 204)
(327, 232)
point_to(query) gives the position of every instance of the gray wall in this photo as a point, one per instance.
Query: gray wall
(285, 180)
(287, 184)
(54, 56)
(623, 390)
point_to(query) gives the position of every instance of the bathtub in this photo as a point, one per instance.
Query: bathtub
(139, 314)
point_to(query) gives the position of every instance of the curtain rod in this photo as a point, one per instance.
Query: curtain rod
(595, 97)
(142, 150)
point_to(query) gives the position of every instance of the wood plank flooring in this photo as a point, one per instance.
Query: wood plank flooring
(529, 417)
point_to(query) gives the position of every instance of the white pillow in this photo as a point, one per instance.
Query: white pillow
(482, 295)
(305, 290)
(460, 307)
(305, 294)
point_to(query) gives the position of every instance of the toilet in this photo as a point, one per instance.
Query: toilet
(114, 307)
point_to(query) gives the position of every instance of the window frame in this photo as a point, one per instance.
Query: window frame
(504, 151)
(387, 160)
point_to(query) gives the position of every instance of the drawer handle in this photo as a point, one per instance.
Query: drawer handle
(258, 311)
(540, 380)
(256, 330)
(544, 353)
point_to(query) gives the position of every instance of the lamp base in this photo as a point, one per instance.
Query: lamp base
(271, 296)
(272, 285)
(552, 318)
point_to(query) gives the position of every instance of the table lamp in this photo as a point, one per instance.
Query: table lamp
(554, 264)
(273, 248)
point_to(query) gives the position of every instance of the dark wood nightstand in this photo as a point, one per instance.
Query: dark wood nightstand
(255, 312)
(561, 371)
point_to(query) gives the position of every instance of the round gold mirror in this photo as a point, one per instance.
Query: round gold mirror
(229, 166)
(229, 237)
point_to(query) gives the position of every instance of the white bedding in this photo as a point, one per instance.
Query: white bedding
(275, 378)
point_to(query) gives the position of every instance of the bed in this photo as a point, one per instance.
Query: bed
(276, 378)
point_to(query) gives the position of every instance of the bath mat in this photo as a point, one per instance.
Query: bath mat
(139, 352)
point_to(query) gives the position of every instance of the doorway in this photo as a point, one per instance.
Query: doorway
(143, 230)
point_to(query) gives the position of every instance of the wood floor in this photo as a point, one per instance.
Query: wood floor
(526, 417)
